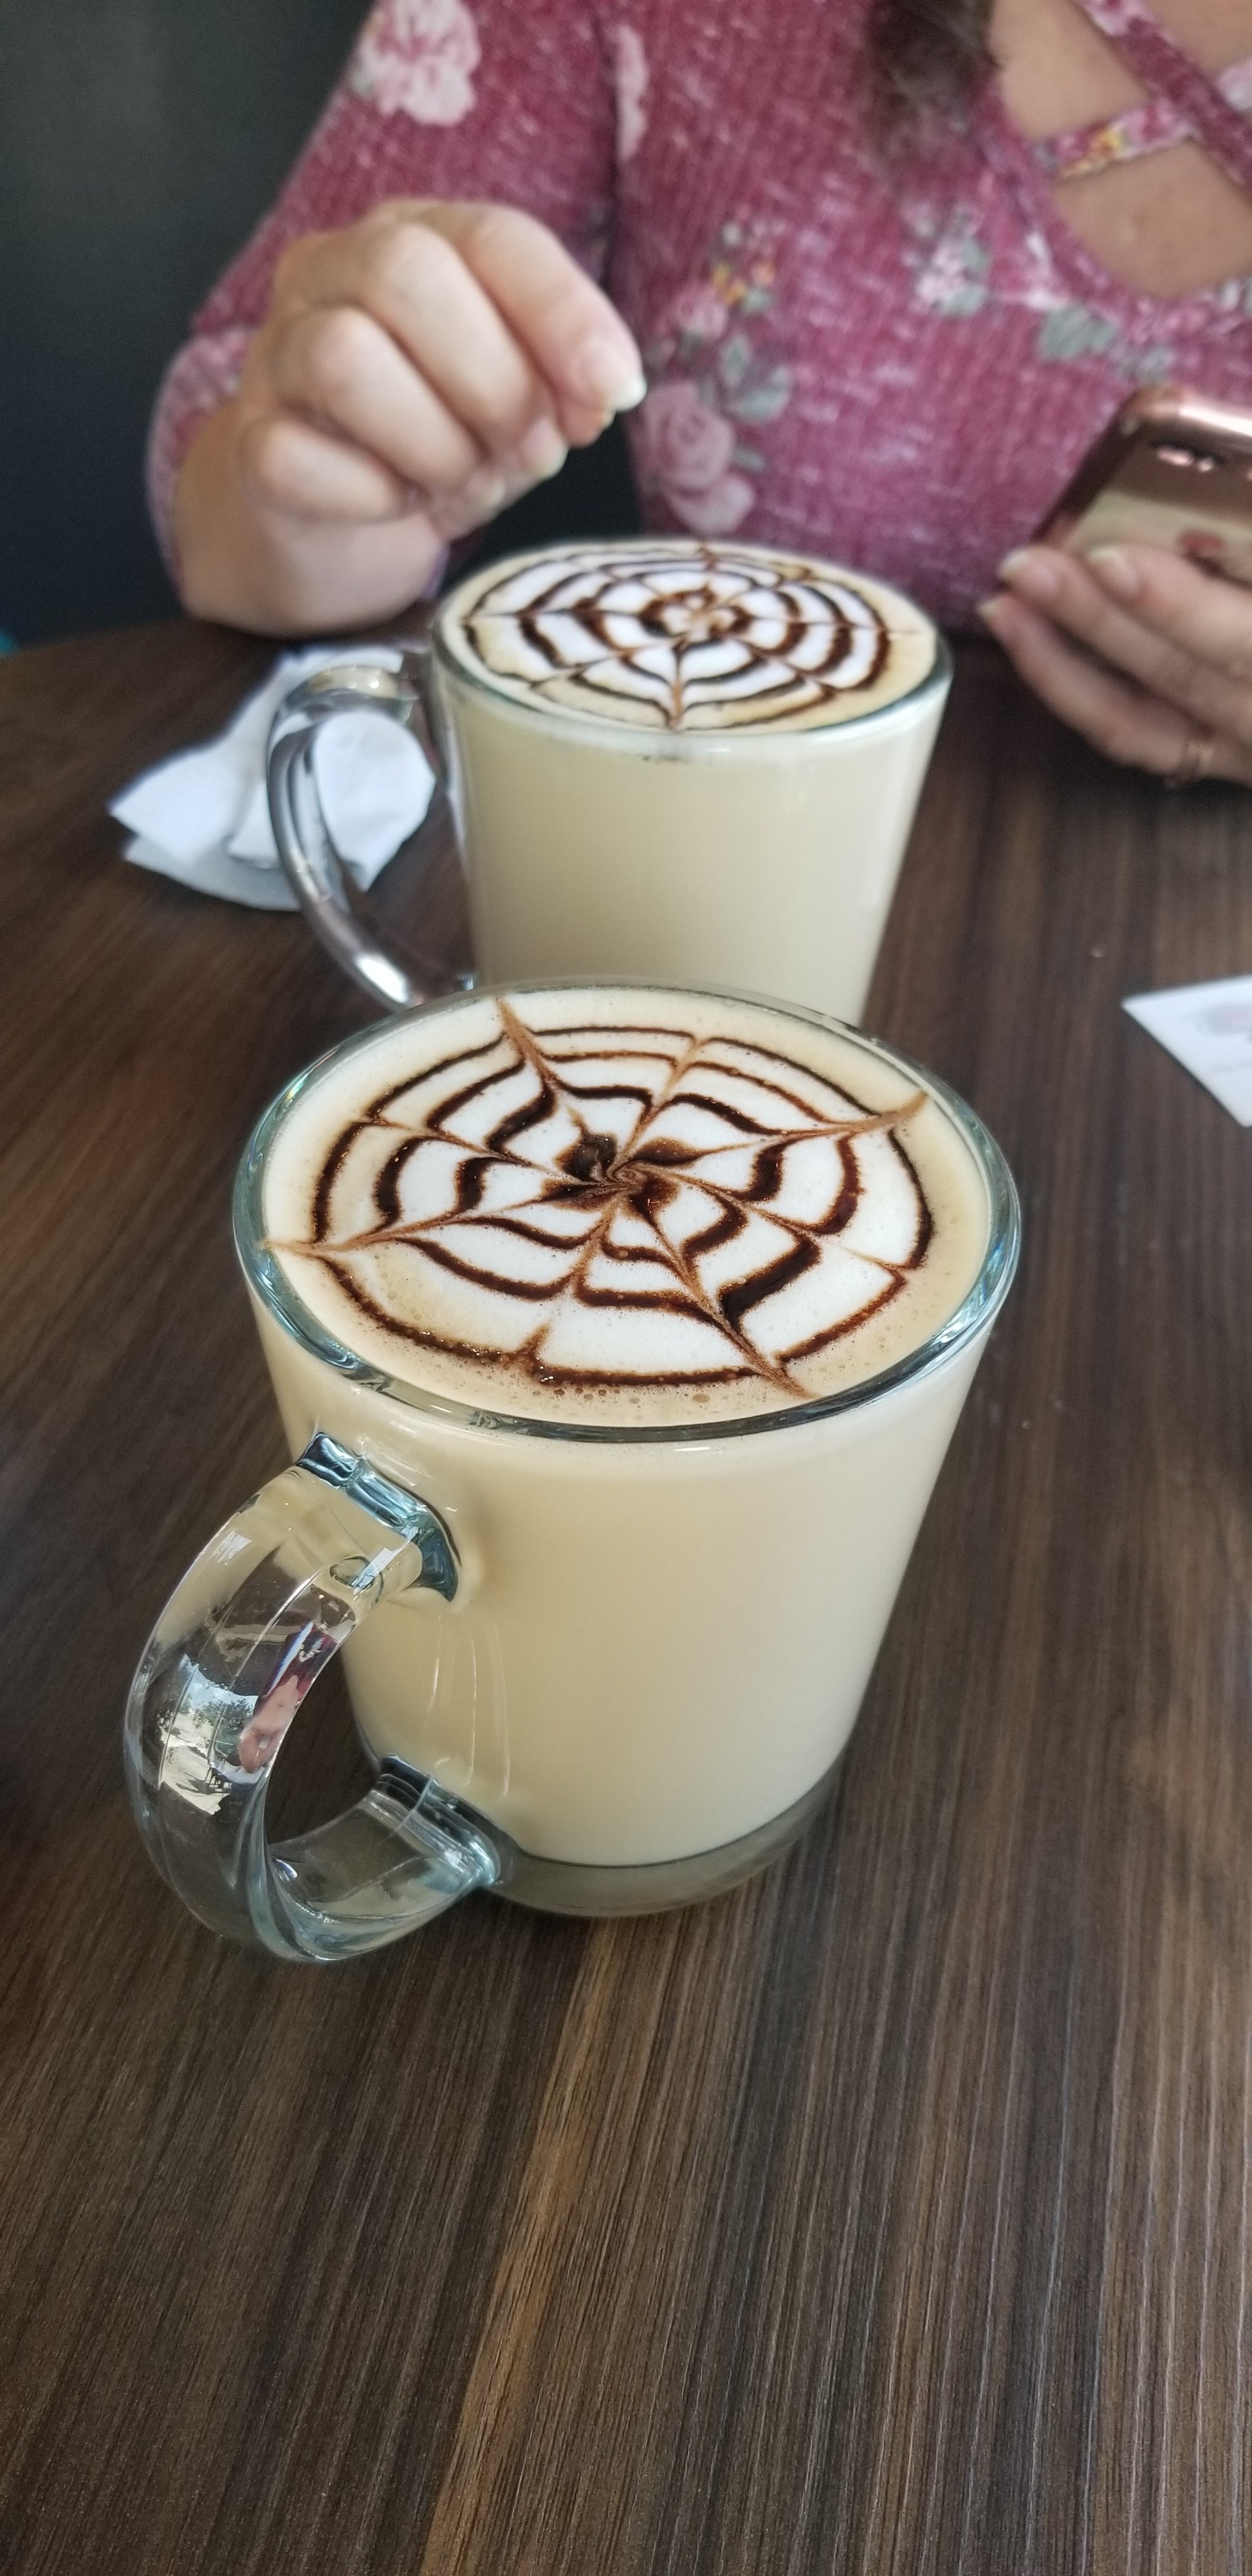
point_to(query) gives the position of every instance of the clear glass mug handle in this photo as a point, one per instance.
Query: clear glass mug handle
(392, 972)
(264, 1607)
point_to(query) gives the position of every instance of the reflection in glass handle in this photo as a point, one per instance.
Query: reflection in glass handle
(333, 904)
(252, 1623)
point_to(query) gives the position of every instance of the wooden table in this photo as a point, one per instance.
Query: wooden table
(889, 2216)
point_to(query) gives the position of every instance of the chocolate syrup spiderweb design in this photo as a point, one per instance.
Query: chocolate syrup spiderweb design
(612, 1207)
(691, 641)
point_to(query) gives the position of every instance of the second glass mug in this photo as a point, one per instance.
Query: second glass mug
(762, 860)
(628, 1726)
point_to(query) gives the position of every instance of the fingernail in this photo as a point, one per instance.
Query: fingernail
(542, 452)
(1029, 570)
(1116, 571)
(988, 610)
(604, 376)
(484, 490)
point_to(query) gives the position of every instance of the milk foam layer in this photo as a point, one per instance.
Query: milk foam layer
(621, 1204)
(688, 638)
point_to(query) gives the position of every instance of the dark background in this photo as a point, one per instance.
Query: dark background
(140, 140)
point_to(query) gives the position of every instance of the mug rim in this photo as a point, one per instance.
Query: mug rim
(969, 1321)
(715, 742)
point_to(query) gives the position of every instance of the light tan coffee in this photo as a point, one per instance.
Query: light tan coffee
(685, 760)
(614, 1244)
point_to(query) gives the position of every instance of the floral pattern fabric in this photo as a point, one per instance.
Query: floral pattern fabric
(1149, 128)
(958, 269)
(418, 58)
(1167, 71)
(631, 67)
(893, 361)
(713, 386)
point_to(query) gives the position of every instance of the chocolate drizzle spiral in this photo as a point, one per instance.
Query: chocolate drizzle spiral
(690, 638)
(612, 1206)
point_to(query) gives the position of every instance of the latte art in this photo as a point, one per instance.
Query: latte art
(590, 1208)
(689, 638)
(565, 1261)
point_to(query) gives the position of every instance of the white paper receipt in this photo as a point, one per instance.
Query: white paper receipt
(1209, 1028)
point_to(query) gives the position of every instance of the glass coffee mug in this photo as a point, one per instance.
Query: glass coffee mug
(686, 761)
(603, 1663)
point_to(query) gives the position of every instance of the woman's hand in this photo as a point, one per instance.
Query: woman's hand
(1139, 650)
(414, 374)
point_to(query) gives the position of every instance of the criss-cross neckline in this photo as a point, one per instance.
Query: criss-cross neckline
(1184, 103)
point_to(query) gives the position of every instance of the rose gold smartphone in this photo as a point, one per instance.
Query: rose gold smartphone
(1173, 470)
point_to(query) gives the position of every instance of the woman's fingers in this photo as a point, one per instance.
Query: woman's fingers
(339, 366)
(1192, 610)
(578, 343)
(413, 287)
(293, 466)
(1122, 719)
(426, 366)
(1155, 617)
(305, 473)
(491, 310)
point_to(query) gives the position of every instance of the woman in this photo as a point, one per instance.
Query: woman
(875, 273)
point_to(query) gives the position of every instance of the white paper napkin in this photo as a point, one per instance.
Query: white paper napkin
(203, 817)
(1208, 1027)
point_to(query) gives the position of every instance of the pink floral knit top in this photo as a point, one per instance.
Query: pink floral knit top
(894, 361)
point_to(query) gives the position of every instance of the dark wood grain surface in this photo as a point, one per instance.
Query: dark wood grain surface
(889, 2216)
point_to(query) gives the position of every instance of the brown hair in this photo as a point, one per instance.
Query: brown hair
(927, 57)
